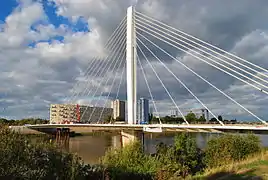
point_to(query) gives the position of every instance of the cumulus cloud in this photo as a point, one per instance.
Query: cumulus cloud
(41, 61)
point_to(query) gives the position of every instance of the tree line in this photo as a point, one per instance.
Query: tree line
(22, 122)
(190, 117)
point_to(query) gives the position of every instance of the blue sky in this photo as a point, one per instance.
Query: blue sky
(79, 26)
(7, 6)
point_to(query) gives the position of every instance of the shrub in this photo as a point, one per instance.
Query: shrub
(22, 159)
(228, 148)
(130, 161)
(183, 158)
(180, 160)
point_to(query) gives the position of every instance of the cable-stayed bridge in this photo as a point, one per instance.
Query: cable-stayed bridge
(133, 45)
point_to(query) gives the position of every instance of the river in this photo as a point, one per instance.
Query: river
(92, 147)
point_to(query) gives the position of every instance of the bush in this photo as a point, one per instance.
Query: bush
(228, 148)
(183, 158)
(22, 159)
(130, 161)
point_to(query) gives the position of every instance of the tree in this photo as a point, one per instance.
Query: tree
(228, 148)
(129, 159)
(220, 118)
(213, 120)
(188, 154)
(150, 118)
(202, 119)
(190, 117)
(20, 158)
(183, 158)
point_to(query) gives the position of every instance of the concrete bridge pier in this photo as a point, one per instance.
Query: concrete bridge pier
(129, 136)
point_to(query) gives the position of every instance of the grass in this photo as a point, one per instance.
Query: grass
(254, 167)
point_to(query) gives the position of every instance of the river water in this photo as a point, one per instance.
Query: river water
(92, 147)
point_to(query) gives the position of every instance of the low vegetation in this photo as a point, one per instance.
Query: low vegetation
(253, 167)
(229, 148)
(20, 158)
(183, 159)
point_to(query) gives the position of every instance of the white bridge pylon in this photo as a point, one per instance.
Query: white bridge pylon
(131, 67)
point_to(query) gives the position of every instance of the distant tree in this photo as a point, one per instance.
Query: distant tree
(213, 120)
(190, 117)
(179, 120)
(233, 121)
(22, 122)
(150, 118)
(166, 120)
(220, 118)
(202, 119)
(155, 120)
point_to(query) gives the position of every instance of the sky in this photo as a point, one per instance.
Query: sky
(47, 46)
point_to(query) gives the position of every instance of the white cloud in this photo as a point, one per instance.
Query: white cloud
(33, 77)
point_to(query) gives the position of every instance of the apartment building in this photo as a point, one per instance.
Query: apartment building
(119, 109)
(59, 113)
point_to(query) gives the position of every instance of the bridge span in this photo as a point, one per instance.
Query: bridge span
(154, 128)
(131, 132)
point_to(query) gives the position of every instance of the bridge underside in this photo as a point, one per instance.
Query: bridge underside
(84, 128)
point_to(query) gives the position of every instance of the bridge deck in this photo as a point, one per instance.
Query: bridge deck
(165, 127)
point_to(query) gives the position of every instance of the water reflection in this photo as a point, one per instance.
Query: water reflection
(92, 147)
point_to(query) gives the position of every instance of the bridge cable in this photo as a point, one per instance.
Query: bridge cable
(106, 83)
(203, 79)
(149, 89)
(102, 62)
(76, 93)
(106, 60)
(120, 82)
(114, 35)
(210, 54)
(204, 42)
(107, 79)
(163, 85)
(107, 97)
(198, 54)
(103, 69)
(256, 87)
(181, 82)
(96, 59)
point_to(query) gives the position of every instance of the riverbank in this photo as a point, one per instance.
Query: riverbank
(22, 157)
(24, 130)
(254, 167)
